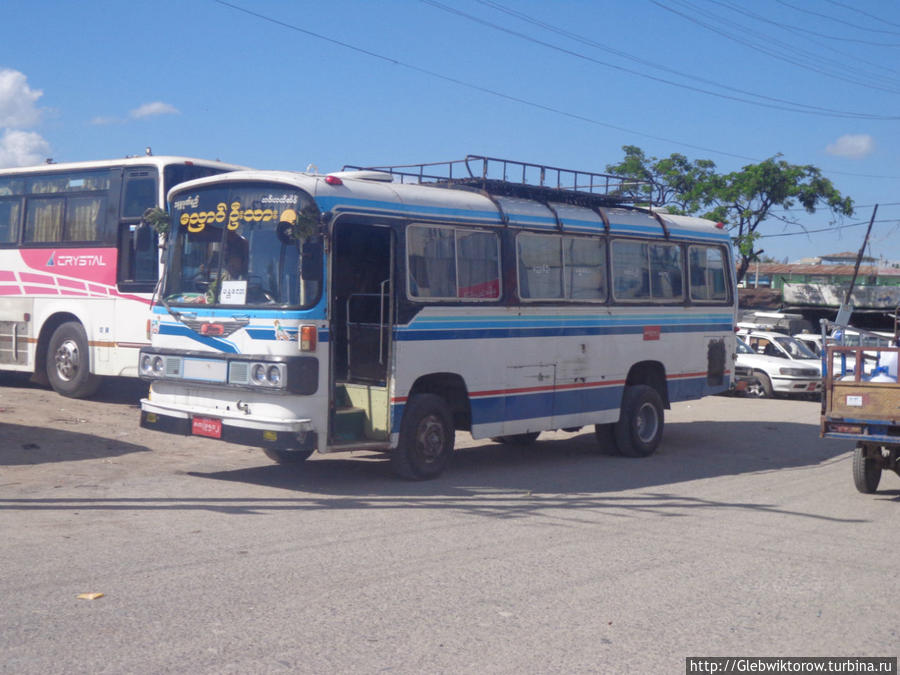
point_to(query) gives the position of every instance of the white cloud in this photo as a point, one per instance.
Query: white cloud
(155, 108)
(104, 121)
(17, 100)
(22, 148)
(853, 146)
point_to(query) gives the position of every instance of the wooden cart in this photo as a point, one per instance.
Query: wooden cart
(867, 412)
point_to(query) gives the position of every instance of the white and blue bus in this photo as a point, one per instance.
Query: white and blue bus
(386, 308)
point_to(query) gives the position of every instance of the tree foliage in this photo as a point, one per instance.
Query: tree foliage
(743, 199)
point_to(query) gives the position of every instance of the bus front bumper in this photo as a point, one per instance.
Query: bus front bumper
(282, 434)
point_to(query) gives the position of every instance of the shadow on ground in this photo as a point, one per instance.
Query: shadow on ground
(691, 451)
(21, 445)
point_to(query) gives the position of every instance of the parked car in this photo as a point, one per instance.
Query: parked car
(850, 337)
(813, 341)
(770, 370)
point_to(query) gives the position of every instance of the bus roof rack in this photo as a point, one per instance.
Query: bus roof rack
(510, 178)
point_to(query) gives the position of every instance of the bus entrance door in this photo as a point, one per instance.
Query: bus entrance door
(361, 320)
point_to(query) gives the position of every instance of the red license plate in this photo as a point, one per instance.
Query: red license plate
(811, 386)
(205, 426)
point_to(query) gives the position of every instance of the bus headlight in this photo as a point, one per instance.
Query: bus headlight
(146, 364)
(258, 374)
(274, 376)
(159, 366)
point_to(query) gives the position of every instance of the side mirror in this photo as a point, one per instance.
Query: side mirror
(284, 231)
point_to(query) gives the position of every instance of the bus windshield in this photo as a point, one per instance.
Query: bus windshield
(242, 244)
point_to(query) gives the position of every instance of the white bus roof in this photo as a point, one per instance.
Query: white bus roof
(138, 160)
(368, 192)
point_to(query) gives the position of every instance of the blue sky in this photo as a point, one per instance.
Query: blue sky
(388, 82)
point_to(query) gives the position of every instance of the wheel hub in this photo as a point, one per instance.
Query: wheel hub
(67, 360)
(647, 423)
(430, 439)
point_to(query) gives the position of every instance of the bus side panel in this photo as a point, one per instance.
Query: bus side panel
(57, 285)
(530, 369)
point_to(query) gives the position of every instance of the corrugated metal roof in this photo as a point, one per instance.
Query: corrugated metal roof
(782, 269)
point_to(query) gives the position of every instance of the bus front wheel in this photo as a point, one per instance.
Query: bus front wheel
(283, 456)
(426, 438)
(69, 363)
(639, 429)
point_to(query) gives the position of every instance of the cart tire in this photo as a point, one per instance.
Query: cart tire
(866, 471)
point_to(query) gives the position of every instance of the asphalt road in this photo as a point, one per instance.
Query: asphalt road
(744, 536)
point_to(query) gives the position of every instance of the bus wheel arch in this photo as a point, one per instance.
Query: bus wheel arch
(66, 359)
(452, 388)
(652, 374)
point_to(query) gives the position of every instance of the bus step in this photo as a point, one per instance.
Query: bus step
(349, 424)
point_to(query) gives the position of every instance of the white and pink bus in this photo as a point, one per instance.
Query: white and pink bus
(78, 268)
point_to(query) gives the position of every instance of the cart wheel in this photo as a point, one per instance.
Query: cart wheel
(866, 471)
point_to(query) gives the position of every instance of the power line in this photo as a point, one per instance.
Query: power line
(843, 23)
(777, 54)
(791, 106)
(469, 85)
(859, 11)
(791, 47)
(836, 228)
(492, 92)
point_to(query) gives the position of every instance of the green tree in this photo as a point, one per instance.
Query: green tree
(681, 185)
(742, 199)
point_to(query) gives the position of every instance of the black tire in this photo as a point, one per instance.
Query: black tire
(283, 456)
(69, 362)
(606, 438)
(426, 438)
(761, 387)
(518, 439)
(640, 427)
(866, 471)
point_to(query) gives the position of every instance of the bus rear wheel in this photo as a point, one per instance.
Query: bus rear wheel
(640, 427)
(426, 438)
(69, 363)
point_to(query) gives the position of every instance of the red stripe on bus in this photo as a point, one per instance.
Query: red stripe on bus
(574, 385)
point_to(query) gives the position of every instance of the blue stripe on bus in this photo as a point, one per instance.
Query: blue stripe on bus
(454, 328)
(476, 333)
(183, 331)
(536, 321)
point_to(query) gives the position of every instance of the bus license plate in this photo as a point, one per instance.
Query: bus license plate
(811, 386)
(205, 426)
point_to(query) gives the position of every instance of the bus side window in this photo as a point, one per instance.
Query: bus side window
(138, 244)
(9, 220)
